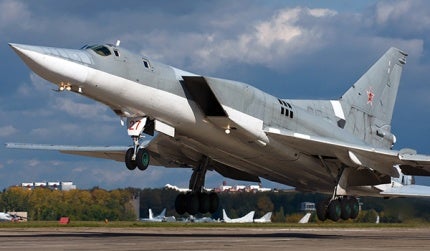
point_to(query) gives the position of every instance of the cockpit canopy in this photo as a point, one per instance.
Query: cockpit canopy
(102, 50)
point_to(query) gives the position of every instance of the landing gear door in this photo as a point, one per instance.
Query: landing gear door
(135, 126)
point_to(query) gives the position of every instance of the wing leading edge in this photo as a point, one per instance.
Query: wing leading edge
(164, 151)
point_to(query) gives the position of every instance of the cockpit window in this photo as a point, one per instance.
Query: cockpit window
(100, 49)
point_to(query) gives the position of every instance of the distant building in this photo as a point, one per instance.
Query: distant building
(241, 188)
(67, 185)
(307, 206)
(62, 186)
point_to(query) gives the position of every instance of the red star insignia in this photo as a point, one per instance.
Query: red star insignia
(370, 96)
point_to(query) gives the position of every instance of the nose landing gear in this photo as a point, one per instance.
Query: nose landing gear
(137, 156)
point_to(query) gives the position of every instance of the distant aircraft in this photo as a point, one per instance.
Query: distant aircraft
(249, 218)
(10, 217)
(159, 218)
(341, 147)
(305, 218)
(267, 218)
(201, 220)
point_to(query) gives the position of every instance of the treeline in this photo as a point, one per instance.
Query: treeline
(46, 204)
(286, 206)
(99, 204)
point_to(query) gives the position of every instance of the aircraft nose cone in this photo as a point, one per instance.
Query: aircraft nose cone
(56, 65)
(15, 47)
(22, 50)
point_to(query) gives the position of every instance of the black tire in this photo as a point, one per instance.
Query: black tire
(214, 202)
(204, 203)
(142, 159)
(345, 209)
(180, 204)
(355, 207)
(321, 209)
(192, 203)
(334, 210)
(129, 163)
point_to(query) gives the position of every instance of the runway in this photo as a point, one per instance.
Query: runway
(184, 238)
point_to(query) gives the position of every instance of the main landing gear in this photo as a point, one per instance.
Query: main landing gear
(197, 201)
(338, 208)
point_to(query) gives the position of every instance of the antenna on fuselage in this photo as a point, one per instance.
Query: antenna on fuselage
(117, 43)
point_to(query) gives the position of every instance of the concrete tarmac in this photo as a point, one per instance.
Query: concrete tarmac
(180, 238)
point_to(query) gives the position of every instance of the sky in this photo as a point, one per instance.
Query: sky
(291, 49)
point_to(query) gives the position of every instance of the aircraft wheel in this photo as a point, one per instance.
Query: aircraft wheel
(355, 207)
(334, 210)
(192, 203)
(180, 204)
(204, 202)
(129, 163)
(321, 209)
(142, 159)
(345, 208)
(214, 202)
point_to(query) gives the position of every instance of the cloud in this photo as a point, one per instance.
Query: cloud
(14, 13)
(91, 111)
(278, 38)
(386, 11)
(407, 18)
(6, 131)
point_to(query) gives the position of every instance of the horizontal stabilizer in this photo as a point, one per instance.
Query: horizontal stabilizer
(408, 191)
(355, 155)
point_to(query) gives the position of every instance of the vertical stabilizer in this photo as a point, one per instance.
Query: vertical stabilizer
(305, 219)
(163, 213)
(267, 218)
(151, 215)
(369, 103)
(225, 217)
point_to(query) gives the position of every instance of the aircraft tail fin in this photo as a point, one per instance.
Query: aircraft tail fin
(151, 215)
(265, 219)
(305, 219)
(368, 105)
(248, 218)
(163, 213)
(225, 217)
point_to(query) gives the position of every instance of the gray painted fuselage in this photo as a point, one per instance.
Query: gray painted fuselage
(132, 85)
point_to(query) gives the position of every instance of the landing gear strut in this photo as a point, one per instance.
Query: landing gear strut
(197, 201)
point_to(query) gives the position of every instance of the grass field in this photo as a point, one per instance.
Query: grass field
(135, 224)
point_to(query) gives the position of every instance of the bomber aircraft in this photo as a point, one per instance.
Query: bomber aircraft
(342, 147)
